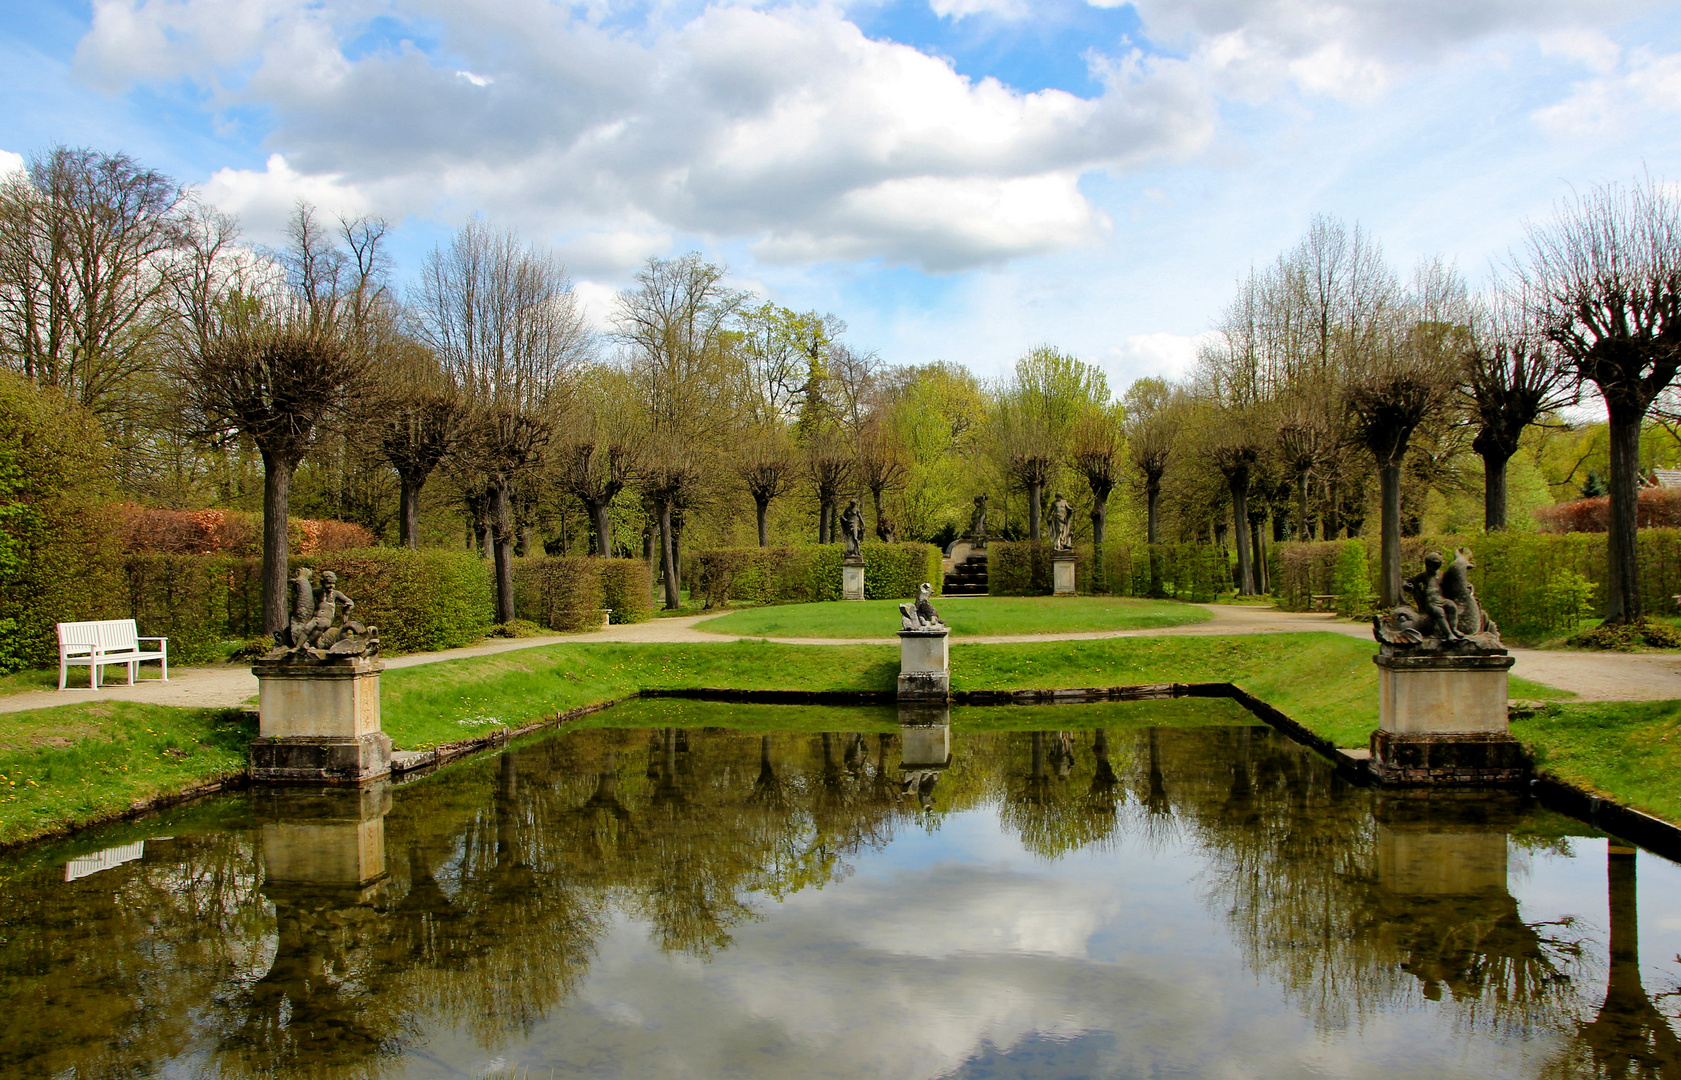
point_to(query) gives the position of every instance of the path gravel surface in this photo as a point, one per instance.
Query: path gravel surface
(1592, 676)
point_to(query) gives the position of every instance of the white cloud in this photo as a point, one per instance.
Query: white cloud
(10, 162)
(1612, 102)
(598, 302)
(264, 200)
(787, 127)
(957, 9)
(1159, 354)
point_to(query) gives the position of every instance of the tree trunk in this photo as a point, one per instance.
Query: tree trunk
(1333, 519)
(1301, 531)
(408, 512)
(668, 562)
(763, 505)
(502, 551)
(1099, 515)
(882, 532)
(1622, 591)
(1494, 489)
(600, 514)
(1153, 498)
(1389, 539)
(1240, 526)
(1035, 494)
(1258, 554)
(824, 510)
(277, 498)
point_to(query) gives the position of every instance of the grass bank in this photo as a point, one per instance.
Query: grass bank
(68, 766)
(968, 616)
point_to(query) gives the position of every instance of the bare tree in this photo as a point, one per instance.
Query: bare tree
(1151, 427)
(881, 464)
(504, 323)
(1604, 281)
(272, 364)
(1095, 448)
(1513, 376)
(91, 250)
(601, 449)
(675, 324)
(1033, 415)
(421, 418)
(828, 466)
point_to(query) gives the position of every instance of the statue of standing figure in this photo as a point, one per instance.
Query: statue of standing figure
(1062, 524)
(852, 530)
(977, 522)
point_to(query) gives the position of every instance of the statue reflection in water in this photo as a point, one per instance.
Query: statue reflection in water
(924, 750)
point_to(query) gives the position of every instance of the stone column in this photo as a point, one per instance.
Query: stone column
(1062, 574)
(924, 665)
(1442, 721)
(852, 577)
(319, 722)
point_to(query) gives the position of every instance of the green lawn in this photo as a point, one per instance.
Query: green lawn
(74, 764)
(968, 616)
(1629, 751)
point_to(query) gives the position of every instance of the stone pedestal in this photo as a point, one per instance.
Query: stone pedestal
(852, 578)
(1062, 574)
(924, 665)
(319, 723)
(1442, 721)
(924, 735)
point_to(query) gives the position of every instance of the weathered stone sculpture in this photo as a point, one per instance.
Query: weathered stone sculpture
(852, 530)
(924, 661)
(977, 523)
(1062, 524)
(1442, 675)
(1445, 619)
(318, 694)
(920, 614)
(315, 631)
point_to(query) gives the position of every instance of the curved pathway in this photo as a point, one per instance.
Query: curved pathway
(1592, 676)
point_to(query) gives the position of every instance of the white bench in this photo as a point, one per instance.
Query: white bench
(101, 644)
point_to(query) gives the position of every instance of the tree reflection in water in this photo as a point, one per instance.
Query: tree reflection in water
(314, 937)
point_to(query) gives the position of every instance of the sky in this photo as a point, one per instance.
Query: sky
(958, 180)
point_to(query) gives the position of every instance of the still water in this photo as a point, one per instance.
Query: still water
(1153, 889)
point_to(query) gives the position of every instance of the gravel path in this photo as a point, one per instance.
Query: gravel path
(1592, 676)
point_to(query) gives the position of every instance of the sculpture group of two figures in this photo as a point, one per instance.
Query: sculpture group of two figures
(321, 628)
(1444, 616)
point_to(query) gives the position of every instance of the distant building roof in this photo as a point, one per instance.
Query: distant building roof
(1667, 478)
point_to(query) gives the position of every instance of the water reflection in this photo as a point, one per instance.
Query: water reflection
(361, 933)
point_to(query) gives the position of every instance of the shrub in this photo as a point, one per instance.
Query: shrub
(420, 600)
(561, 592)
(1192, 572)
(627, 586)
(1657, 508)
(772, 575)
(1019, 568)
(1351, 580)
(150, 530)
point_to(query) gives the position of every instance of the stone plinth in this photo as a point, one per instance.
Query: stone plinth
(924, 736)
(324, 836)
(319, 723)
(1442, 721)
(852, 578)
(1062, 574)
(924, 665)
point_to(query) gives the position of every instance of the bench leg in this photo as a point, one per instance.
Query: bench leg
(165, 661)
(133, 670)
(63, 674)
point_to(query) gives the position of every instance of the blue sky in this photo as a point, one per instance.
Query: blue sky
(958, 179)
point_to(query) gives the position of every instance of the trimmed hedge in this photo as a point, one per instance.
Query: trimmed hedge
(773, 575)
(420, 600)
(1194, 572)
(567, 592)
(1530, 583)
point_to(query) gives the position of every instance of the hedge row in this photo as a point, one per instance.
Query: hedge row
(771, 575)
(1528, 582)
(1193, 572)
(567, 593)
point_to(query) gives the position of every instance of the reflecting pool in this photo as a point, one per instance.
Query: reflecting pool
(679, 889)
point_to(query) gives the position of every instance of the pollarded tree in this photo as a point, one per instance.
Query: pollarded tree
(1095, 449)
(1033, 415)
(1513, 375)
(881, 464)
(1152, 426)
(422, 419)
(601, 443)
(1604, 280)
(828, 467)
(504, 323)
(1397, 380)
(769, 467)
(271, 361)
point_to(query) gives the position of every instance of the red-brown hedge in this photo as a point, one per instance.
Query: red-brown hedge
(1659, 508)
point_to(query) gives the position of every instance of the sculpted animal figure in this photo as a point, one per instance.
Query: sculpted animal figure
(1456, 587)
(920, 615)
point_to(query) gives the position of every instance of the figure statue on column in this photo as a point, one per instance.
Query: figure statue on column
(1062, 524)
(977, 523)
(852, 530)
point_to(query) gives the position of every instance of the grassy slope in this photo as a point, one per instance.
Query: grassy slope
(968, 616)
(74, 764)
(1626, 750)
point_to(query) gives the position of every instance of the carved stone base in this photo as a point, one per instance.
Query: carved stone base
(1062, 574)
(924, 665)
(321, 759)
(1468, 759)
(852, 579)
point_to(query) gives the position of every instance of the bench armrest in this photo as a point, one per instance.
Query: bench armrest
(78, 650)
(143, 637)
